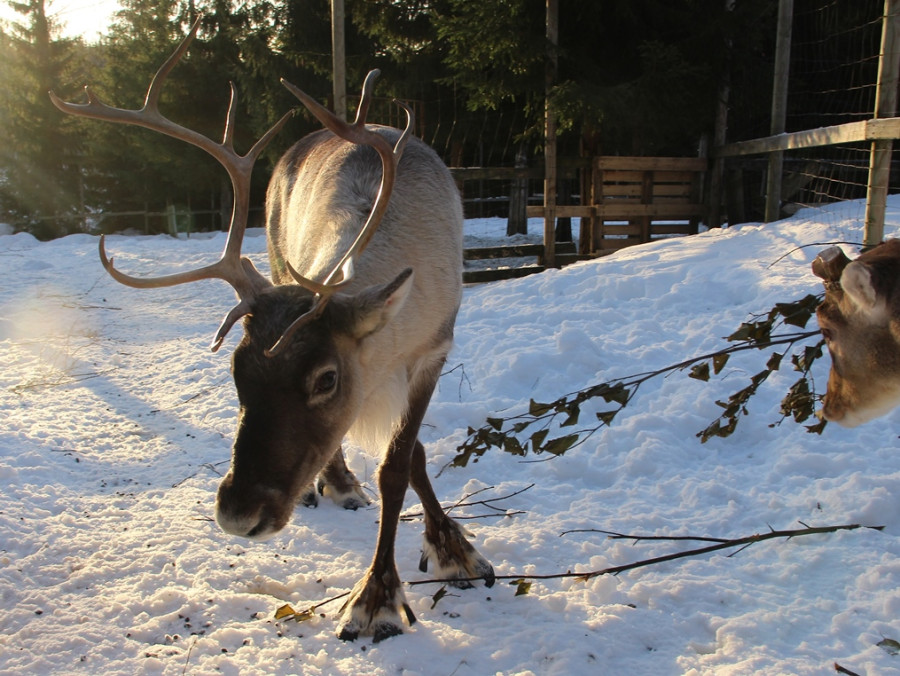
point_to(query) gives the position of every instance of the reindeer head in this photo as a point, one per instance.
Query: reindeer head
(296, 405)
(297, 368)
(860, 320)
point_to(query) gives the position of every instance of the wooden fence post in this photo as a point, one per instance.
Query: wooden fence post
(717, 166)
(550, 137)
(338, 59)
(779, 107)
(517, 219)
(885, 106)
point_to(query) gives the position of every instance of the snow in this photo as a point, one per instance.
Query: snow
(117, 424)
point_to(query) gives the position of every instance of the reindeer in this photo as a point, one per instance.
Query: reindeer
(860, 321)
(336, 344)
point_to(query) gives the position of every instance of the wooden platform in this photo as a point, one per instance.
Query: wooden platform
(633, 200)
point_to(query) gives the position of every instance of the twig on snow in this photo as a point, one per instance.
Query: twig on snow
(740, 543)
(499, 511)
(522, 585)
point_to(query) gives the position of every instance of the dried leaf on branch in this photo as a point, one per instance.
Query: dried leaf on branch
(538, 430)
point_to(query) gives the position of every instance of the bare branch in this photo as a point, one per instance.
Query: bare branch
(409, 516)
(742, 543)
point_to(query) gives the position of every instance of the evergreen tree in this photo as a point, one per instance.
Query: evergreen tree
(40, 190)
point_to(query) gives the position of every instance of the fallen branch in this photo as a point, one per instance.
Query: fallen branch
(740, 543)
(523, 586)
(529, 432)
(612, 535)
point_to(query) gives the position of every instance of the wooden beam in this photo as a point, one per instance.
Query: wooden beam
(495, 173)
(851, 132)
(482, 276)
(512, 251)
(611, 212)
(612, 163)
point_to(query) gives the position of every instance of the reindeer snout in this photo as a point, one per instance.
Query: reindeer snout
(255, 512)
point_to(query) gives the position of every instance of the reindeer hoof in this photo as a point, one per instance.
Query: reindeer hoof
(380, 632)
(352, 499)
(487, 574)
(454, 559)
(384, 631)
(374, 609)
(309, 498)
(348, 633)
(353, 504)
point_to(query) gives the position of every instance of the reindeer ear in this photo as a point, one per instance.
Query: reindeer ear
(830, 263)
(378, 305)
(856, 281)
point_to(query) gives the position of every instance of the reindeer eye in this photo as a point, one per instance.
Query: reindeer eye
(828, 335)
(326, 382)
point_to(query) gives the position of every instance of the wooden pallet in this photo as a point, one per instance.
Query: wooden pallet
(634, 200)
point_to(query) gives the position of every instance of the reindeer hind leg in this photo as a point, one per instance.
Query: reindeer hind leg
(337, 482)
(445, 545)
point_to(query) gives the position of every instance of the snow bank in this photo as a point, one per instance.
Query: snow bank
(117, 427)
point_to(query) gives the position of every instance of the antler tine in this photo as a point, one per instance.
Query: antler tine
(384, 193)
(390, 159)
(155, 89)
(205, 272)
(228, 135)
(366, 98)
(230, 267)
(404, 137)
(357, 133)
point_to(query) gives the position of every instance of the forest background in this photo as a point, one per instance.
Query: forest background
(635, 77)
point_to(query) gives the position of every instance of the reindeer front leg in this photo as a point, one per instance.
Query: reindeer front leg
(377, 599)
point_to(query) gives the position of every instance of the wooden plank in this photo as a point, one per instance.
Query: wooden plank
(633, 230)
(671, 229)
(628, 211)
(568, 259)
(851, 132)
(621, 176)
(669, 191)
(675, 176)
(622, 191)
(481, 276)
(635, 190)
(561, 211)
(495, 173)
(513, 251)
(620, 229)
(607, 162)
(574, 211)
(608, 246)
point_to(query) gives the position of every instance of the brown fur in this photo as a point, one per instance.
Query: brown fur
(860, 320)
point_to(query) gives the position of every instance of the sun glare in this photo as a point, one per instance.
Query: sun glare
(86, 18)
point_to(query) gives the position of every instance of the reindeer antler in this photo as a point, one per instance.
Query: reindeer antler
(231, 267)
(390, 158)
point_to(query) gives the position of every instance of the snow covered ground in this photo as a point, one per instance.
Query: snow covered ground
(117, 424)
